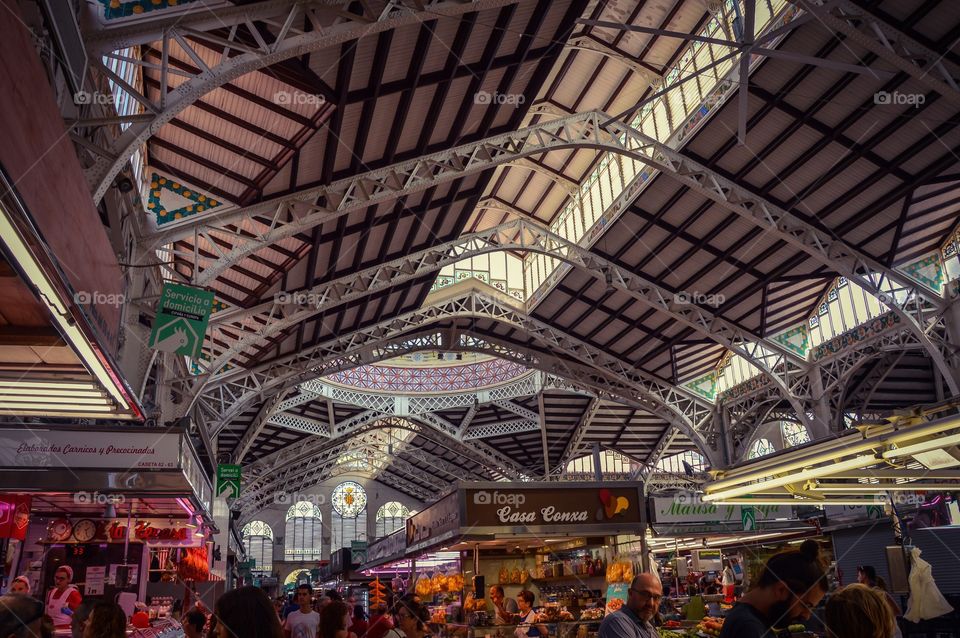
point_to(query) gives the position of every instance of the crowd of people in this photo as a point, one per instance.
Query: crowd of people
(246, 612)
(791, 586)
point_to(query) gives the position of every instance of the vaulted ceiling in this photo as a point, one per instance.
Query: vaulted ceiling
(879, 177)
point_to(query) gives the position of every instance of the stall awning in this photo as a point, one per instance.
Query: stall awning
(488, 511)
(133, 462)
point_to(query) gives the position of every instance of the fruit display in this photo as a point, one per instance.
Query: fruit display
(672, 633)
(592, 614)
(710, 626)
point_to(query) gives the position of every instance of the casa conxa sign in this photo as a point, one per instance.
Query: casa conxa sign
(683, 509)
(567, 506)
(157, 450)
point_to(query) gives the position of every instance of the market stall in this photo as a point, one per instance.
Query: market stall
(555, 541)
(127, 512)
(694, 542)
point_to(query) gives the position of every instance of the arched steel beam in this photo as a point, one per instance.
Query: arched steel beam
(618, 378)
(250, 229)
(236, 59)
(783, 367)
(352, 346)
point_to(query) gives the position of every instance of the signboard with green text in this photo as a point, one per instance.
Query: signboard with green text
(228, 480)
(181, 320)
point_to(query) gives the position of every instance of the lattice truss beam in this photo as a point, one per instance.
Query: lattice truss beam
(299, 468)
(273, 411)
(236, 389)
(863, 28)
(834, 371)
(239, 331)
(249, 229)
(330, 22)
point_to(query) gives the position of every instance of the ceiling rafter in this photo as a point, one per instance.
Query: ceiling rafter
(291, 41)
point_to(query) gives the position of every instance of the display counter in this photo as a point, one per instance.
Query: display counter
(566, 629)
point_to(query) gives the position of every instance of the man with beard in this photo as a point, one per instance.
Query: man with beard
(633, 619)
(791, 584)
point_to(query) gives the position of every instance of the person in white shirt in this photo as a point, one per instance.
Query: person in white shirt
(304, 622)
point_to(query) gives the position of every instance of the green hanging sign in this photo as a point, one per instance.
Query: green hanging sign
(181, 321)
(228, 480)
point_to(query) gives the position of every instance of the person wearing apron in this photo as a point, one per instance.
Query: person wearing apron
(64, 598)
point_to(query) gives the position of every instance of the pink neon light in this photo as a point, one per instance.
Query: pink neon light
(185, 505)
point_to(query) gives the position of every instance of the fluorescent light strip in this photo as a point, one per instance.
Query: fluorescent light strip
(71, 386)
(805, 475)
(926, 446)
(890, 435)
(10, 236)
(884, 487)
(65, 413)
(72, 407)
(101, 401)
(797, 501)
(51, 392)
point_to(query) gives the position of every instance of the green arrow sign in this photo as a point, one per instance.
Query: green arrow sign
(749, 518)
(181, 321)
(228, 480)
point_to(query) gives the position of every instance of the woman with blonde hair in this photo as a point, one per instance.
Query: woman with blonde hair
(857, 611)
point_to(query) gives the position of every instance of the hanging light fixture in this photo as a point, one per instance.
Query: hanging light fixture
(110, 511)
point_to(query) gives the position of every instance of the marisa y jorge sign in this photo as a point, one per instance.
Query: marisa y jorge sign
(575, 505)
(181, 321)
(684, 509)
(86, 449)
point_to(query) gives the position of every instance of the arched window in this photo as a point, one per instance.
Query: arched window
(349, 523)
(794, 434)
(258, 540)
(610, 463)
(675, 462)
(298, 576)
(760, 447)
(303, 533)
(391, 517)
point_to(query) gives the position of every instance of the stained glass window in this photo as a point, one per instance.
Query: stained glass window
(794, 434)
(760, 447)
(258, 541)
(349, 499)
(391, 517)
(303, 532)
